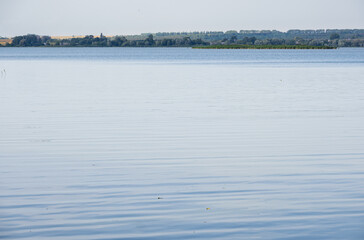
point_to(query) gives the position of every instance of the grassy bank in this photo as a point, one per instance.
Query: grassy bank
(263, 47)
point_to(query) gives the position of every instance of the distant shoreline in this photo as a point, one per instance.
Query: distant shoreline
(263, 47)
(293, 39)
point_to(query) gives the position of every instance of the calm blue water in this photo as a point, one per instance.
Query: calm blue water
(176, 143)
(189, 56)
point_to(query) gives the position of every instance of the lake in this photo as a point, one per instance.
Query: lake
(180, 143)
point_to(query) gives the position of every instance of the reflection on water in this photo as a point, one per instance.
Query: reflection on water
(141, 145)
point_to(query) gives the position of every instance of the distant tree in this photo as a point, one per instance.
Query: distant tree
(334, 36)
(233, 39)
(231, 32)
(290, 42)
(30, 40)
(248, 40)
(149, 41)
(117, 41)
(45, 40)
(186, 41)
(252, 40)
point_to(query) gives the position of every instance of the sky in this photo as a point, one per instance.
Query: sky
(124, 17)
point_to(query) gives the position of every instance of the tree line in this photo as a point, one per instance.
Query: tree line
(32, 40)
(269, 34)
(333, 41)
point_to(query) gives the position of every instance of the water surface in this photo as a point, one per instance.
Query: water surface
(138, 143)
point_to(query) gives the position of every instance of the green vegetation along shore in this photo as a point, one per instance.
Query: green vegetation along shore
(248, 39)
(263, 47)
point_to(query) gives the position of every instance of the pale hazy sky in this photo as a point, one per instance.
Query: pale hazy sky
(73, 17)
